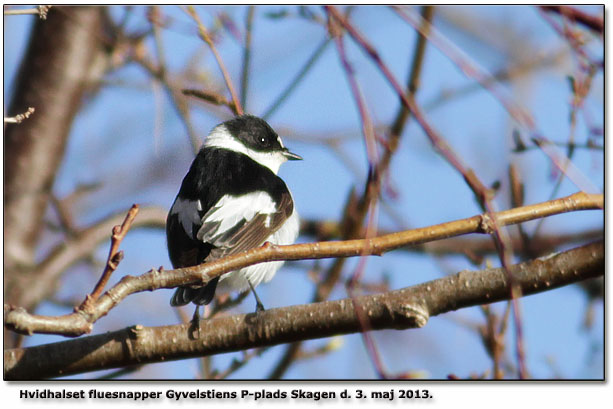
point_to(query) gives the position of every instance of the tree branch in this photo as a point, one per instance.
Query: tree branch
(40, 10)
(401, 309)
(53, 77)
(77, 248)
(56, 72)
(19, 118)
(523, 117)
(115, 255)
(81, 322)
(475, 248)
(204, 35)
(595, 23)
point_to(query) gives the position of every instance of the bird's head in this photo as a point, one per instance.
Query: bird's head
(252, 136)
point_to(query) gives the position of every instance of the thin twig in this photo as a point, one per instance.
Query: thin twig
(492, 340)
(40, 10)
(502, 75)
(574, 38)
(303, 71)
(589, 145)
(581, 85)
(291, 86)
(517, 191)
(80, 247)
(236, 364)
(17, 119)
(469, 68)
(247, 55)
(474, 248)
(159, 72)
(473, 70)
(374, 179)
(595, 23)
(367, 125)
(115, 256)
(412, 85)
(371, 192)
(440, 144)
(481, 192)
(210, 97)
(204, 35)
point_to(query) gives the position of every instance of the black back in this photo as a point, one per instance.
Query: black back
(215, 173)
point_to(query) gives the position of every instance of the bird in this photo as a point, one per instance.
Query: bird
(232, 200)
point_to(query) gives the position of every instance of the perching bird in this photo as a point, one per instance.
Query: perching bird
(232, 200)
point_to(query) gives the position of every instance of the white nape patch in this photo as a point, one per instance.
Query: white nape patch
(231, 210)
(220, 137)
(187, 211)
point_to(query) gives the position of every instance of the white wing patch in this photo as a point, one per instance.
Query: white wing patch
(187, 212)
(232, 210)
(263, 272)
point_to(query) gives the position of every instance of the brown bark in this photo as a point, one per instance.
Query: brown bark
(401, 309)
(53, 78)
(81, 321)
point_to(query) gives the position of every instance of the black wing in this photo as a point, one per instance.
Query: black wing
(185, 251)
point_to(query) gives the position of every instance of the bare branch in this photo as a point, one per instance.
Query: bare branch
(55, 74)
(17, 119)
(472, 70)
(204, 35)
(210, 97)
(80, 322)
(437, 140)
(401, 309)
(40, 10)
(78, 248)
(247, 55)
(474, 248)
(115, 256)
(297, 80)
(593, 22)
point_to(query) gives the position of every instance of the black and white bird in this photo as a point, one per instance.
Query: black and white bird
(232, 200)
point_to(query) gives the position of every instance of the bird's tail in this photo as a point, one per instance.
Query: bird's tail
(198, 295)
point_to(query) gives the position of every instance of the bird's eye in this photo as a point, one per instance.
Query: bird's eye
(262, 140)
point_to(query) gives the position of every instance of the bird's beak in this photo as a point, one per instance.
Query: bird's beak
(290, 155)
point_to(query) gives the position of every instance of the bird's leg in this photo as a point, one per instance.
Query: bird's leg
(196, 316)
(195, 323)
(258, 306)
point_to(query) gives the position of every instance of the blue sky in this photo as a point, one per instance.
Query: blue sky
(129, 138)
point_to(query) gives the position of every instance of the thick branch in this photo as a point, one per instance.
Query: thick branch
(55, 74)
(53, 77)
(81, 322)
(401, 309)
